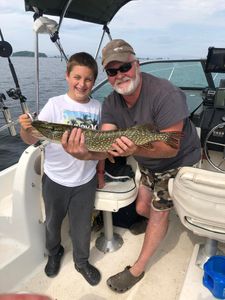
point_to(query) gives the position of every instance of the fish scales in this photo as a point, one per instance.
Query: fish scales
(101, 141)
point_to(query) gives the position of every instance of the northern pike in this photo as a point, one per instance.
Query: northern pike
(101, 141)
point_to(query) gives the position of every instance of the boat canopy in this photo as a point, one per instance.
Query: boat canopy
(94, 11)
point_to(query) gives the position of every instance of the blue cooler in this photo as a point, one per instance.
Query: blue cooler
(214, 276)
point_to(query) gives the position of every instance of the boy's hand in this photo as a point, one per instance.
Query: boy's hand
(74, 144)
(25, 122)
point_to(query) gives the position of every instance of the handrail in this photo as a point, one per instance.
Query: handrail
(6, 126)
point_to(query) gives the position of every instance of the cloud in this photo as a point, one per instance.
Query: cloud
(157, 28)
(162, 14)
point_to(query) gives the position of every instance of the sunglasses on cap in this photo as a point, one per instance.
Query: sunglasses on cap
(123, 69)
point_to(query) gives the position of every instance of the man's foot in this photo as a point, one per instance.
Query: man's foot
(90, 273)
(53, 265)
(139, 227)
(123, 281)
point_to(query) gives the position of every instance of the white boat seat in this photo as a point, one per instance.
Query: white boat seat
(111, 198)
(22, 238)
(199, 199)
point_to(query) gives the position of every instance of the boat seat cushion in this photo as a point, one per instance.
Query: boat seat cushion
(199, 199)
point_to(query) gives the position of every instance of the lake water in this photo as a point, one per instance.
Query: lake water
(52, 83)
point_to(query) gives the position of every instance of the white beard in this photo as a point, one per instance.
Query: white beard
(130, 88)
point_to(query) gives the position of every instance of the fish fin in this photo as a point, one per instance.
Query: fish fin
(150, 127)
(147, 146)
(173, 138)
(37, 134)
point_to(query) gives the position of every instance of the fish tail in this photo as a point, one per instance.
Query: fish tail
(173, 138)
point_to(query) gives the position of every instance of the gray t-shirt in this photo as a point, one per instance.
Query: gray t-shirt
(162, 105)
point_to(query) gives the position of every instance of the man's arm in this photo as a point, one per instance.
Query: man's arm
(125, 147)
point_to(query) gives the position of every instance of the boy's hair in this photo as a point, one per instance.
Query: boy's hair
(82, 59)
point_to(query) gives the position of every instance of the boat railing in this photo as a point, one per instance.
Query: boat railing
(10, 124)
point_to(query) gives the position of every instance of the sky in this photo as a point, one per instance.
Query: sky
(155, 29)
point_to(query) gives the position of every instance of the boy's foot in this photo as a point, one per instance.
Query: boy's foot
(53, 265)
(90, 273)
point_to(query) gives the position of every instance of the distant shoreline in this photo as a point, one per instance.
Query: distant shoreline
(27, 54)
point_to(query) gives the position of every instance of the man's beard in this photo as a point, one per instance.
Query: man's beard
(131, 87)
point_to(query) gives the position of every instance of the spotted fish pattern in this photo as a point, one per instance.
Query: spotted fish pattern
(101, 141)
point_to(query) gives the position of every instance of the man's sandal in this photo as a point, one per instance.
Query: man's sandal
(123, 281)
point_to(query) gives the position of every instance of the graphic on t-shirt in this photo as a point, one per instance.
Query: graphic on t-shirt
(81, 119)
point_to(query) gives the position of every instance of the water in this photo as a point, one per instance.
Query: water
(52, 83)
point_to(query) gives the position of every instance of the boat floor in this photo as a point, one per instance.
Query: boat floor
(163, 279)
(193, 288)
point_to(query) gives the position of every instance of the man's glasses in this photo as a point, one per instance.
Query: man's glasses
(123, 69)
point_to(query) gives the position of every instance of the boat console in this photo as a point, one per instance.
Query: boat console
(211, 117)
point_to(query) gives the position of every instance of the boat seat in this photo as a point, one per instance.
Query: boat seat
(115, 195)
(23, 296)
(199, 199)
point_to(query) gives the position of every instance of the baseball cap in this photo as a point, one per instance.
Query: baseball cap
(116, 50)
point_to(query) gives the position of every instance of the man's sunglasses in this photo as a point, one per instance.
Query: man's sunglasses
(123, 69)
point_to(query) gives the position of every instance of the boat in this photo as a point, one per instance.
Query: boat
(197, 227)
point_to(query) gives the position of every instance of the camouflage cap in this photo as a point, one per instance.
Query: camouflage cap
(116, 50)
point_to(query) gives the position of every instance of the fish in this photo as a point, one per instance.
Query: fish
(101, 141)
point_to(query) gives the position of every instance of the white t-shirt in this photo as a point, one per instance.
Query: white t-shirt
(60, 166)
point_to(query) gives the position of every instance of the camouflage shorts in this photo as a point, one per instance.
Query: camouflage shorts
(158, 183)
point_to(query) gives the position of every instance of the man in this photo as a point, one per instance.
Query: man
(140, 98)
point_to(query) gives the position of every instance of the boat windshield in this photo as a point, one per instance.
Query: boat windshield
(189, 75)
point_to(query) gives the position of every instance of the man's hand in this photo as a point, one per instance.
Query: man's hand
(123, 147)
(74, 144)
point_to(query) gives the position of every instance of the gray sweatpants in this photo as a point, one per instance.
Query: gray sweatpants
(78, 202)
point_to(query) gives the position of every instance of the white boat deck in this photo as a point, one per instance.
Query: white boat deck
(192, 288)
(165, 274)
(163, 279)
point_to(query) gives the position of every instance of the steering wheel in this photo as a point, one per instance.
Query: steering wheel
(216, 131)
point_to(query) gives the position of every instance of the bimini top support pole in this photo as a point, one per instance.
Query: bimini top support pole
(55, 36)
(105, 30)
(36, 54)
(64, 12)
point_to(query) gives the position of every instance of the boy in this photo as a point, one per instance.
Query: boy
(69, 184)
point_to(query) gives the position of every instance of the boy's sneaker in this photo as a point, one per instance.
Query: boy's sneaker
(53, 265)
